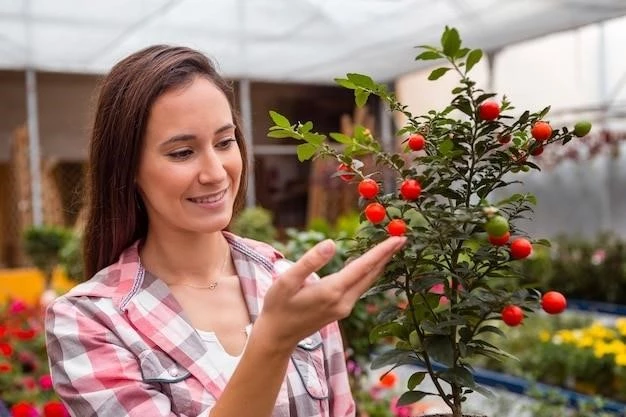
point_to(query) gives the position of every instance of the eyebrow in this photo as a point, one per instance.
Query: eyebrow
(186, 137)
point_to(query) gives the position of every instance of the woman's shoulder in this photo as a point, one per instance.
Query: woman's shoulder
(113, 281)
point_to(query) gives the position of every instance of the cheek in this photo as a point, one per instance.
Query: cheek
(157, 179)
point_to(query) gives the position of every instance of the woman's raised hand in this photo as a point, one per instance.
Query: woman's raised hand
(295, 307)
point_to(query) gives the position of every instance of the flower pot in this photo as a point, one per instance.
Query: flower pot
(450, 415)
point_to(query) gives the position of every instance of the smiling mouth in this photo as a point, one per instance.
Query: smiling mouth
(207, 199)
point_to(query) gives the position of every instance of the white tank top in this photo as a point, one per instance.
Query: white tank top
(224, 361)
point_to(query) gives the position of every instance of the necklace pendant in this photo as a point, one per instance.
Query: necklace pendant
(212, 285)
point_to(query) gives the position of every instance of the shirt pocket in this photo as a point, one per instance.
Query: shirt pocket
(161, 371)
(308, 360)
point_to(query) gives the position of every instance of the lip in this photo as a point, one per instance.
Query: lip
(211, 204)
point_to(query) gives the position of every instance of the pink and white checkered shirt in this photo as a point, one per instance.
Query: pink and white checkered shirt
(119, 346)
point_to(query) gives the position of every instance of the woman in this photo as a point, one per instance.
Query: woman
(181, 318)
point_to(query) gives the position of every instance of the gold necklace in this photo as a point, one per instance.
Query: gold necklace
(213, 284)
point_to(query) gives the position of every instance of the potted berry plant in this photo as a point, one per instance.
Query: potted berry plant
(458, 270)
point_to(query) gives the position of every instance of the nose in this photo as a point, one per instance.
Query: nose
(211, 168)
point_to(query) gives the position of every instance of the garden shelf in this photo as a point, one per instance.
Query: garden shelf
(521, 386)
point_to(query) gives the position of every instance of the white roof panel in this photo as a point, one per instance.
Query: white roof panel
(277, 40)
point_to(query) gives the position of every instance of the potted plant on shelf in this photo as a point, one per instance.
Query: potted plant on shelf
(457, 269)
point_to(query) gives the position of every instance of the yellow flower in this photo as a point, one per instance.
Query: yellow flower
(620, 359)
(544, 336)
(600, 349)
(585, 342)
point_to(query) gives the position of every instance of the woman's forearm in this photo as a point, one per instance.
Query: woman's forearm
(257, 379)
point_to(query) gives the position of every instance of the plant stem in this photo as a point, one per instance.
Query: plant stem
(422, 339)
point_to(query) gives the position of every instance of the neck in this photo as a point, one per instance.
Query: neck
(188, 258)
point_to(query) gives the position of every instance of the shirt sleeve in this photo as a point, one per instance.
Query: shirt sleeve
(93, 373)
(341, 402)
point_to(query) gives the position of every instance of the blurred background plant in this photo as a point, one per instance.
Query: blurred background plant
(43, 244)
(586, 269)
(554, 404)
(255, 223)
(574, 351)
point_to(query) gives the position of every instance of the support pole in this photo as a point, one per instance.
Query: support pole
(33, 145)
(246, 121)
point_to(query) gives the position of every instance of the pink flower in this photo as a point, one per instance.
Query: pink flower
(400, 411)
(437, 289)
(17, 307)
(598, 257)
(45, 382)
(353, 367)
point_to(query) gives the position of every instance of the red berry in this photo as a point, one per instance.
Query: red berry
(417, 142)
(410, 189)
(512, 315)
(553, 302)
(520, 248)
(489, 110)
(536, 151)
(396, 227)
(541, 131)
(345, 168)
(500, 240)
(504, 138)
(368, 188)
(375, 212)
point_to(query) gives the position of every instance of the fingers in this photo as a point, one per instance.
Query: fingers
(361, 273)
(312, 261)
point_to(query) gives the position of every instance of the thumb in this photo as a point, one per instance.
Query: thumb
(312, 261)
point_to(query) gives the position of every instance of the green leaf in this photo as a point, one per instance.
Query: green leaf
(446, 146)
(473, 58)
(411, 397)
(438, 73)
(282, 134)
(341, 138)
(306, 151)
(544, 242)
(314, 138)
(280, 120)
(363, 81)
(440, 349)
(361, 97)
(387, 329)
(415, 380)
(451, 43)
(392, 357)
(306, 127)
(490, 329)
(428, 55)
(344, 82)
(484, 391)
(459, 376)
(462, 52)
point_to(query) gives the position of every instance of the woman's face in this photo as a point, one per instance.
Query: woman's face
(190, 165)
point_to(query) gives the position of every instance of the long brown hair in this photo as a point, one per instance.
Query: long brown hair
(115, 214)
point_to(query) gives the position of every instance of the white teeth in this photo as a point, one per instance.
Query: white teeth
(209, 199)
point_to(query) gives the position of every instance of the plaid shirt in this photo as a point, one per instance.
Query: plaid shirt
(119, 345)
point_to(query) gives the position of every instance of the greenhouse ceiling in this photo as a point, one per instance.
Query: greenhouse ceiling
(310, 41)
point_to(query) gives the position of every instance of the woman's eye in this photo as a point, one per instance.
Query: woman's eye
(182, 154)
(225, 144)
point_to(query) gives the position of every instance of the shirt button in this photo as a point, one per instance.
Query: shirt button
(173, 371)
